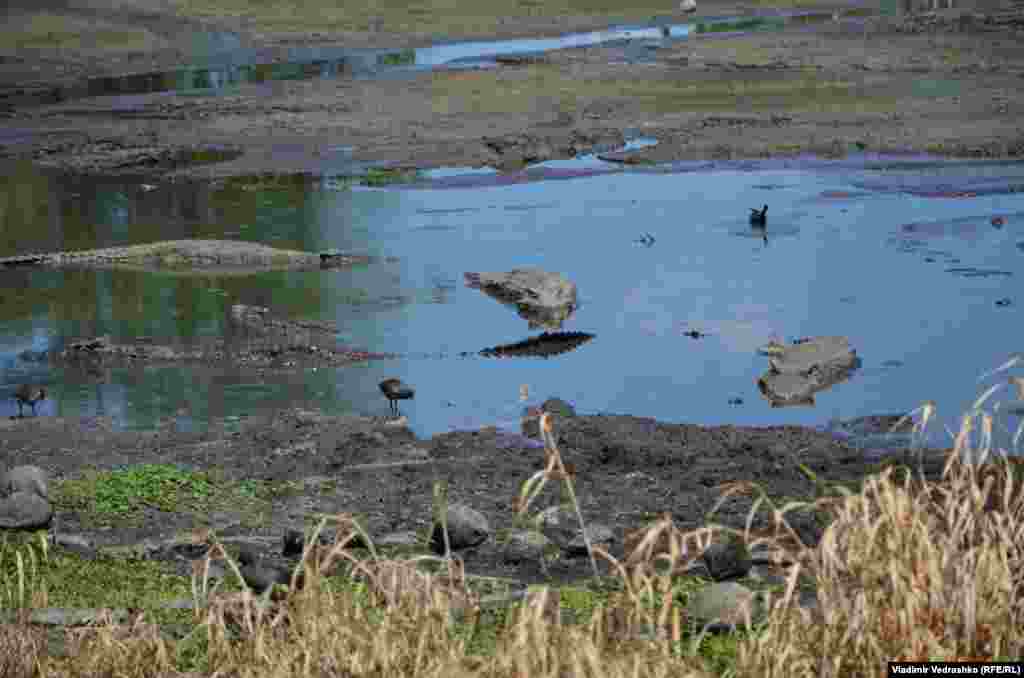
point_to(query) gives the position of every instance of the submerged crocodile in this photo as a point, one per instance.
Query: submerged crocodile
(190, 256)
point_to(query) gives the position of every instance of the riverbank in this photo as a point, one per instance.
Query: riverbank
(946, 83)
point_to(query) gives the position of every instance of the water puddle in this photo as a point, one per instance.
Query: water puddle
(676, 290)
(226, 66)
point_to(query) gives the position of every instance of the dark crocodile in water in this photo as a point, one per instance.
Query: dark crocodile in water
(190, 257)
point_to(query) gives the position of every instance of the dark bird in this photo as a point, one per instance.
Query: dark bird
(29, 395)
(394, 390)
(759, 217)
(258, 577)
(647, 240)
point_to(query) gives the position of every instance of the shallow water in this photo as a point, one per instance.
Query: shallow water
(877, 255)
(217, 63)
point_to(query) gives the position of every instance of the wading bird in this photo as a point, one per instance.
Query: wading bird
(29, 395)
(394, 390)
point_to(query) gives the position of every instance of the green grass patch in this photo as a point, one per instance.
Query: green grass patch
(388, 177)
(121, 495)
(497, 92)
(53, 31)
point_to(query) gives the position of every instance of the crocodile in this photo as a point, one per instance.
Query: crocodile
(189, 257)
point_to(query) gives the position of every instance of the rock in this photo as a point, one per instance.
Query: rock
(25, 511)
(525, 546)
(688, 6)
(78, 544)
(600, 535)
(30, 479)
(467, 527)
(729, 559)
(722, 606)
(544, 299)
(559, 524)
(406, 538)
(261, 577)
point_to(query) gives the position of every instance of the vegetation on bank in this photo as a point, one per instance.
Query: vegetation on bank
(908, 569)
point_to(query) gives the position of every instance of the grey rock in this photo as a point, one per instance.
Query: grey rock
(398, 539)
(525, 546)
(25, 511)
(25, 479)
(600, 535)
(559, 524)
(260, 577)
(721, 606)
(467, 527)
(727, 560)
(77, 544)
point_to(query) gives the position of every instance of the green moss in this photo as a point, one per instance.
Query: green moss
(55, 31)
(387, 177)
(122, 495)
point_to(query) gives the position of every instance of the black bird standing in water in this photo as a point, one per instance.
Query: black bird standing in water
(394, 390)
(759, 217)
(29, 395)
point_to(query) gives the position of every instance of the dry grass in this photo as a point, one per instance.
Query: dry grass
(908, 569)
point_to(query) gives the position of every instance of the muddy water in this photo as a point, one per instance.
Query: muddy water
(901, 257)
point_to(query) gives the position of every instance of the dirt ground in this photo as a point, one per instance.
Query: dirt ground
(947, 82)
(629, 471)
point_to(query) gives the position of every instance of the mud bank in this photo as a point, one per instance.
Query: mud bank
(946, 83)
(270, 474)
